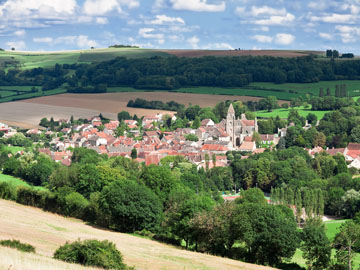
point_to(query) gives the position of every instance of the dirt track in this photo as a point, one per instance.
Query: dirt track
(47, 232)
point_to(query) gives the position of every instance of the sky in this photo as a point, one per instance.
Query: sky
(52, 25)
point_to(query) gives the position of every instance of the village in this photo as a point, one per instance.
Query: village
(143, 141)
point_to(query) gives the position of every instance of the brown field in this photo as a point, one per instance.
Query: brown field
(27, 113)
(47, 232)
(274, 53)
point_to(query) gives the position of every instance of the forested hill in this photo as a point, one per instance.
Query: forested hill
(173, 72)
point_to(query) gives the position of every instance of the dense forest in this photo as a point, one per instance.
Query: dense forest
(173, 72)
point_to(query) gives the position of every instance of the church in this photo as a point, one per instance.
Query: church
(239, 128)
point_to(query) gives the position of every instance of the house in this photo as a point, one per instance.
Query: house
(352, 151)
(267, 138)
(207, 123)
(247, 147)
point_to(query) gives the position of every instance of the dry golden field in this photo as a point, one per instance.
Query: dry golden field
(47, 232)
(27, 113)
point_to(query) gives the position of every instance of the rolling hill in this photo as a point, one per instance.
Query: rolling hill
(48, 231)
(28, 60)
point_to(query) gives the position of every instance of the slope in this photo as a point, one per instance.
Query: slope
(47, 232)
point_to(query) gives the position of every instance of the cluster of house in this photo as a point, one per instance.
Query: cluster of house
(214, 140)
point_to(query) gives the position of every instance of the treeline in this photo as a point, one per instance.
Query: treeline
(173, 72)
(155, 104)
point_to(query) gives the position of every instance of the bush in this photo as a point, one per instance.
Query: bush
(7, 191)
(17, 245)
(91, 253)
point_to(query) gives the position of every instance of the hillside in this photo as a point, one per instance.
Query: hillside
(47, 232)
(28, 60)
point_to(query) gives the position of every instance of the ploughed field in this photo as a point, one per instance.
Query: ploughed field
(46, 232)
(27, 113)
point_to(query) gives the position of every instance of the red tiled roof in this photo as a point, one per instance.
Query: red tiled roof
(214, 147)
(354, 146)
(248, 122)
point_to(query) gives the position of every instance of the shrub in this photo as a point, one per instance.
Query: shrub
(17, 245)
(91, 253)
(7, 191)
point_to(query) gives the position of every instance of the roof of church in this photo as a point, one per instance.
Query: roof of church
(231, 109)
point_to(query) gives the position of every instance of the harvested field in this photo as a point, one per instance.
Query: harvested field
(47, 232)
(27, 113)
(274, 53)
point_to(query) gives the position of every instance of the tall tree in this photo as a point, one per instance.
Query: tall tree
(345, 241)
(316, 247)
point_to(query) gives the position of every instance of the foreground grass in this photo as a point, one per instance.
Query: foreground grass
(16, 260)
(283, 113)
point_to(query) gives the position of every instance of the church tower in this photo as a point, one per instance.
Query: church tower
(230, 122)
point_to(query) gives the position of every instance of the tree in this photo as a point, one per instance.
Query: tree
(272, 233)
(316, 247)
(196, 124)
(321, 93)
(345, 241)
(329, 53)
(191, 137)
(134, 153)
(312, 118)
(124, 115)
(128, 206)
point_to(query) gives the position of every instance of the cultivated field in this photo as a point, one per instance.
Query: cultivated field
(274, 53)
(27, 113)
(47, 232)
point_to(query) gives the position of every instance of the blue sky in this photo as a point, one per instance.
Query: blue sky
(36, 25)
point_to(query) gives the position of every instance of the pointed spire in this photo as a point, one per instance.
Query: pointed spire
(231, 109)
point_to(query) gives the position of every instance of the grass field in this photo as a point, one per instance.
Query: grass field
(16, 181)
(283, 113)
(332, 228)
(28, 60)
(14, 149)
(7, 96)
(46, 232)
(16, 260)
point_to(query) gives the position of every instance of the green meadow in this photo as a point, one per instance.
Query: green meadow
(283, 113)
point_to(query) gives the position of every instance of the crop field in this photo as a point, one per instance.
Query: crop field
(283, 113)
(301, 89)
(47, 232)
(274, 53)
(27, 113)
(28, 60)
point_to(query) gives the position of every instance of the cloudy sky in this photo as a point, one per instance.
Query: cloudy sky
(37, 25)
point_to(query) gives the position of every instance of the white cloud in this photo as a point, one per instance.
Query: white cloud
(101, 7)
(277, 20)
(348, 33)
(20, 9)
(263, 39)
(335, 18)
(198, 5)
(20, 33)
(240, 11)
(148, 33)
(163, 19)
(194, 41)
(265, 10)
(43, 40)
(326, 36)
(81, 41)
(284, 39)
(219, 46)
(18, 45)
(101, 20)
